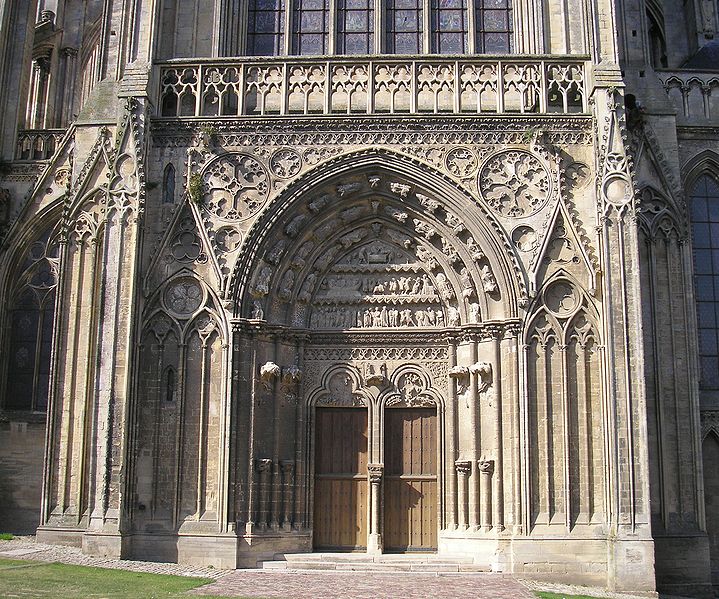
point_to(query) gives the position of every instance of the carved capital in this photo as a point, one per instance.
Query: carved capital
(375, 471)
(263, 464)
(464, 467)
(287, 466)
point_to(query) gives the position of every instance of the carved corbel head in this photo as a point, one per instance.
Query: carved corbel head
(486, 466)
(375, 374)
(461, 375)
(483, 370)
(291, 376)
(269, 373)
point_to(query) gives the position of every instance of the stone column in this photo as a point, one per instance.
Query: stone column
(264, 467)
(464, 469)
(450, 427)
(486, 469)
(474, 441)
(287, 467)
(374, 473)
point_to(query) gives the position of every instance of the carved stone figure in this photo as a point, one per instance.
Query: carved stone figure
(489, 283)
(452, 316)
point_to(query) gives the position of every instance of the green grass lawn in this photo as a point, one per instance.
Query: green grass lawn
(25, 578)
(545, 595)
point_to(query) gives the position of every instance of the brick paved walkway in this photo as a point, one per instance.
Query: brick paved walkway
(367, 585)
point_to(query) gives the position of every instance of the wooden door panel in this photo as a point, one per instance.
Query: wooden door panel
(410, 488)
(340, 496)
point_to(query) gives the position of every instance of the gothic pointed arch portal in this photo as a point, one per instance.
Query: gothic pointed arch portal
(357, 294)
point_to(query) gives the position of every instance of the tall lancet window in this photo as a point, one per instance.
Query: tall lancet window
(449, 26)
(494, 26)
(705, 238)
(265, 28)
(310, 27)
(404, 26)
(355, 31)
(30, 326)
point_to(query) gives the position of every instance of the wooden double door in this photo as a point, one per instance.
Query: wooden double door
(409, 490)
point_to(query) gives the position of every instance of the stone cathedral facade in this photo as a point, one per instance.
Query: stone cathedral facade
(364, 275)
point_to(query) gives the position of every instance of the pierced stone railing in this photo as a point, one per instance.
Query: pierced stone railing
(694, 94)
(37, 144)
(432, 85)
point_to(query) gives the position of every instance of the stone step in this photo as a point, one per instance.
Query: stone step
(361, 562)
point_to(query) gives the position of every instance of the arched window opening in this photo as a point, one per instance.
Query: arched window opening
(168, 185)
(355, 26)
(265, 28)
(657, 39)
(705, 236)
(30, 327)
(449, 26)
(310, 27)
(494, 26)
(319, 27)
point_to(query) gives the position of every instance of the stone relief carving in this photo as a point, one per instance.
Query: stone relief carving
(374, 374)
(341, 392)
(236, 187)
(461, 162)
(285, 163)
(514, 183)
(377, 354)
(183, 297)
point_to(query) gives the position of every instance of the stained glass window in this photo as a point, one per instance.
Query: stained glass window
(355, 31)
(404, 26)
(449, 26)
(265, 27)
(705, 237)
(494, 26)
(30, 326)
(310, 26)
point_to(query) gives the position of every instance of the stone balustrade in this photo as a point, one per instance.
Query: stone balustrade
(387, 85)
(37, 144)
(695, 95)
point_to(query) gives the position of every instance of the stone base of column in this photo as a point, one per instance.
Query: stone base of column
(374, 544)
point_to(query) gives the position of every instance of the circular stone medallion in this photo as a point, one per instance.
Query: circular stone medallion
(514, 183)
(183, 297)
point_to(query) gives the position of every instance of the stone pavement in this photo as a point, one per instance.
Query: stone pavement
(310, 584)
(366, 585)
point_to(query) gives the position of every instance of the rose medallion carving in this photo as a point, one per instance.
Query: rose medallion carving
(514, 183)
(183, 297)
(285, 163)
(236, 187)
(461, 162)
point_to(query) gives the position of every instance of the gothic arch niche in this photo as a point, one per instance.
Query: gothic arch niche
(180, 409)
(334, 248)
(565, 445)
